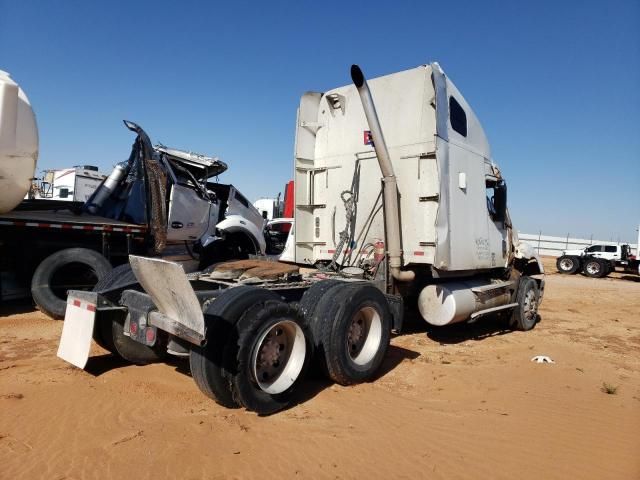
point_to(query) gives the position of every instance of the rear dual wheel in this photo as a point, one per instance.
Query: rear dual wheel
(267, 354)
(256, 351)
(596, 267)
(568, 264)
(351, 324)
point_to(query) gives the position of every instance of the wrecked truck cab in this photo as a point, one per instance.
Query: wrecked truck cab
(170, 189)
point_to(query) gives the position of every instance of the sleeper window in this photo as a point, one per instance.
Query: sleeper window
(457, 117)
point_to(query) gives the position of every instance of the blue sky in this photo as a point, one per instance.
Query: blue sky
(555, 85)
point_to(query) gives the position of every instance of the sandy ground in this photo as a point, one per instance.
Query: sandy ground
(460, 402)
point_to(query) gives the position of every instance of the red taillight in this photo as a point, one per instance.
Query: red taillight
(133, 328)
(151, 335)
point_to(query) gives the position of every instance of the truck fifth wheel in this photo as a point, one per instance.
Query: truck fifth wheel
(398, 201)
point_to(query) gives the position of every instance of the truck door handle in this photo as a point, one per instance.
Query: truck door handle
(176, 225)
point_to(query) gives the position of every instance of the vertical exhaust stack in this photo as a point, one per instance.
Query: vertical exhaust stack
(390, 185)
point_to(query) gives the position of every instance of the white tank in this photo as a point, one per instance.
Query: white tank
(18, 143)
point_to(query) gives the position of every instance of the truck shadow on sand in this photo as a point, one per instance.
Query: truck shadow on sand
(101, 364)
(489, 326)
(16, 307)
(630, 278)
(312, 385)
(315, 382)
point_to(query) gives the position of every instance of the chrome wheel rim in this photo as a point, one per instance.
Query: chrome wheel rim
(278, 357)
(530, 305)
(364, 335)
(593, 268)
(566, 264)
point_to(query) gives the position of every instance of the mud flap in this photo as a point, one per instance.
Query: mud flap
(170, 290)
(77, 331)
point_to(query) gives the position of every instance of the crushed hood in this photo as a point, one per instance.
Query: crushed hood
(199, 165)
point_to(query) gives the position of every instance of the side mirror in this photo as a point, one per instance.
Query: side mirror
(500, 201)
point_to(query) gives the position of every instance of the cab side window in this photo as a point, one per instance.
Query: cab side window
(457, 117)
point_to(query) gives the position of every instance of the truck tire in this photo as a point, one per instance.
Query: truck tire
(221, 316)
(309, 302)
(525, 315)
(119, 277)
(595, 267)
(268, 356)
(68, 269)
(611, 264)
(568, 264)
(355, 329)
(102, 332)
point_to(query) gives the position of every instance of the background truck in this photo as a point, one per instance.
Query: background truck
(412, 218)
(279, 216)
(74, 184)
(159, 202)
(597, 260)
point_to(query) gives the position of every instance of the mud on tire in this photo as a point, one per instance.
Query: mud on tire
(309, 302)
(207, 362)
(268, 356)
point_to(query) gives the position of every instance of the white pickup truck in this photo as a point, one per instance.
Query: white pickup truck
(595, 260)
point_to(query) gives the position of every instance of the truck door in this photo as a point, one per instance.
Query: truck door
(611, 252)
(498, 241)
(595, 250)
(188, 214)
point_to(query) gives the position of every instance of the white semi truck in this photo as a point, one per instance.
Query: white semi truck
(398, 204)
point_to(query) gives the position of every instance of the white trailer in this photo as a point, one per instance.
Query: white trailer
(398, 203)
(74, 184)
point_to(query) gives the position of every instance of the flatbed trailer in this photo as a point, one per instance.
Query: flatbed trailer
(78, 250)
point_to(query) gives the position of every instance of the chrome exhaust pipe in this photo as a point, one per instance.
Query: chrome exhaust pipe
(390, 185)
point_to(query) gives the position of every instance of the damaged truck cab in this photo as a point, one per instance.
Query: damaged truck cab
(170, 190)
(447, 228)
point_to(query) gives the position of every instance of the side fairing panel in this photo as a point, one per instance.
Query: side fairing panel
(467, 237)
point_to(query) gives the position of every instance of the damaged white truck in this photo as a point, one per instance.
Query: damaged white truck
(159, 202)
(398, 205)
